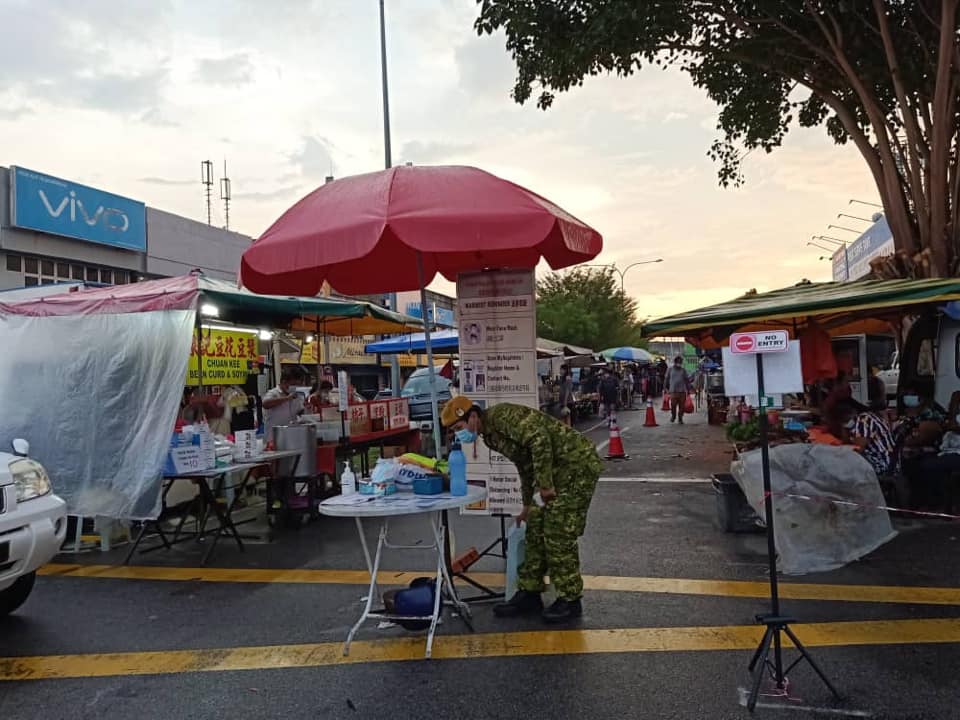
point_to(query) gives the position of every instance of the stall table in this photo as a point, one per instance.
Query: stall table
(361, 444)
(360, 507)
(206, 481)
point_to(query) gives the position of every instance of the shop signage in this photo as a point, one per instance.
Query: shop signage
(498, 363)
(228, 357)
(343, 351)
(438, 315)
(759, 342)
(59, 207)
(852, 262)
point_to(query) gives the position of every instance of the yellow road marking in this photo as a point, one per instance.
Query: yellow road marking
(673, 586)
(483, 645)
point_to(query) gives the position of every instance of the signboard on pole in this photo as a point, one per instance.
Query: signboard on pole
(498, 363)
(754, 343)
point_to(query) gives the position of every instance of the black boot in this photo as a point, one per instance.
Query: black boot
(523, 602)
(563, 610)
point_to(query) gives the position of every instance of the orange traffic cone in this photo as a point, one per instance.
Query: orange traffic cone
(651, 420)
(615, 448)
(666, 402)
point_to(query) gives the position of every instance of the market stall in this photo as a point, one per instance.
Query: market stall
(813, 497)
(108, 368)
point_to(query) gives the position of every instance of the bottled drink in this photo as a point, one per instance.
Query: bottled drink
(458, 470)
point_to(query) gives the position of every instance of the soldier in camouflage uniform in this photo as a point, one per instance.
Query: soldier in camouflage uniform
(563, 467)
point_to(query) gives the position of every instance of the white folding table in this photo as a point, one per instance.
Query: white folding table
(361, 507)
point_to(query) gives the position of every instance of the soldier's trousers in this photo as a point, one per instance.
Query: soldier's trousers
(551, 542)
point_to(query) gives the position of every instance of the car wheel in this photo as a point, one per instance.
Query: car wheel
(17, 594)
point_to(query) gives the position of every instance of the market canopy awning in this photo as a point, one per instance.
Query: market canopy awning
(448, 340)
(846, 305)
(222, 301)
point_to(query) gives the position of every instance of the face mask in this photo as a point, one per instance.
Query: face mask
(465, 436)
(911, 401)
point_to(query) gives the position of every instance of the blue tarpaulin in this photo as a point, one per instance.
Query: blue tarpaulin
(440, 340)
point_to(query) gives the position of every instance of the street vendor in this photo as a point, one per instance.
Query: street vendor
(281, 406)
(559, 467)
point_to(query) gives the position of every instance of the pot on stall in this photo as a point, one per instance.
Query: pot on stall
(302, 437)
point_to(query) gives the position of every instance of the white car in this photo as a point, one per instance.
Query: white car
(33, 524)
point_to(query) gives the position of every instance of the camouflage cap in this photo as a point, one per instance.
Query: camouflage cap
(455, 409)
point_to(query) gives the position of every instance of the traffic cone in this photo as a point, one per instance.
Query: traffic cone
(651, 420)
(666, 402)
(615, 447)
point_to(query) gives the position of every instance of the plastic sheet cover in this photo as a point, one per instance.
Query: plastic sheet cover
(97, 397)
(816, 535)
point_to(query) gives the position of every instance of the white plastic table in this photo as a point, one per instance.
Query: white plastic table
(361, 507)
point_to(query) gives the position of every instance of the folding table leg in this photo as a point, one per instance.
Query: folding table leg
(374, 569)
(225, 522)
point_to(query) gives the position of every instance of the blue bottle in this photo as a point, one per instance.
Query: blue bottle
(458, 470)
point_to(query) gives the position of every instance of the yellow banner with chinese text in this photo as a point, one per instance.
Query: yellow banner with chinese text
(228, 357)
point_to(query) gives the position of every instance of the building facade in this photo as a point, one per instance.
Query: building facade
(55, 230)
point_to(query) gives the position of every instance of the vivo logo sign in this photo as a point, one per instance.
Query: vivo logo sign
(59, 207)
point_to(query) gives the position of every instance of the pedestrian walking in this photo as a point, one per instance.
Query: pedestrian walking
(566, 395)
(609, 393)
(678, 385)
(561, 466)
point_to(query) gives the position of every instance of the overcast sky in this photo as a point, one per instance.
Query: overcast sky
(131, 96)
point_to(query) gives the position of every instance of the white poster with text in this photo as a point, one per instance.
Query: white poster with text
(496, 318)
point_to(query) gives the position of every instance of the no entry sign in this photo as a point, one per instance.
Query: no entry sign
(759, 342)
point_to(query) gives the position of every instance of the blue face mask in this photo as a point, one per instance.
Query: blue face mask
(911, 401)
(466, 435)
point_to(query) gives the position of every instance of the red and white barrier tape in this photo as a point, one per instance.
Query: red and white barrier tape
(849, 503)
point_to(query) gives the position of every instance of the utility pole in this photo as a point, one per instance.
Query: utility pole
(206, 177)
(388, 163)
(225, 196)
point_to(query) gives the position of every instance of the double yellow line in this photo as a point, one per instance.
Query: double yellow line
(483, 645)
(612, 583)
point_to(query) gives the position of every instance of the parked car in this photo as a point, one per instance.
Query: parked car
(891, 375)
(33, 524)
(417, 392)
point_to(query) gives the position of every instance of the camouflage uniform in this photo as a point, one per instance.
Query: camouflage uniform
(548, 454)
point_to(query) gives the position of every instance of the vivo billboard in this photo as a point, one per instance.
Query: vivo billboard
(59, 207)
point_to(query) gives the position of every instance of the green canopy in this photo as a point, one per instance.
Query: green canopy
(851, 300)
(332, 316)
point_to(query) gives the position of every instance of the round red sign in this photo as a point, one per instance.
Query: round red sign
(744, 343)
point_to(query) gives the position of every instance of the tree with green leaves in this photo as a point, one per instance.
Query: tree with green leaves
(586, 307)
(882, 74)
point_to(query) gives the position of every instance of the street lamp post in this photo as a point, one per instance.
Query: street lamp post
(623, 273)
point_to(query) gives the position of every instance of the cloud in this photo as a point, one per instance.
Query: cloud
(485, 68)
(155, 116)
(675, 115)
(166, 181)
(230, 71)
(14, 113)
(425, 153)
(314, 157)
(279, 194)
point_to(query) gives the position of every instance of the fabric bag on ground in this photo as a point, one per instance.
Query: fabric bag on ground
(516, 550)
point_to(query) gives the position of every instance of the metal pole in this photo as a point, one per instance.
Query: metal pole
(768, 512)
(432, 371)
(388, 163)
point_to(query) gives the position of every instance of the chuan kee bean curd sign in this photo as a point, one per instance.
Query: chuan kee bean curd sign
(498, 363)
(228, 358)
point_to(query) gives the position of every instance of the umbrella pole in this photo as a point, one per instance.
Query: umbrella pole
(431, 373)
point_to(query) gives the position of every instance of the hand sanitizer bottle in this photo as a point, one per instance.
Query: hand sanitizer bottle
(348, 481)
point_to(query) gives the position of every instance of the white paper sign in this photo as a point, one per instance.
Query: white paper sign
(187, 459)
(782, 373)
(343, 383)
(496, 317)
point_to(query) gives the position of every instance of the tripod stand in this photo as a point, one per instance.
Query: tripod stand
(776, 622)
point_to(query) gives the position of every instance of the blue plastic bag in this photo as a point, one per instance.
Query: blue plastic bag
(516, 550)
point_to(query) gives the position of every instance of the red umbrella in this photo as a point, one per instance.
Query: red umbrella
(396, 229)
(363, 234)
